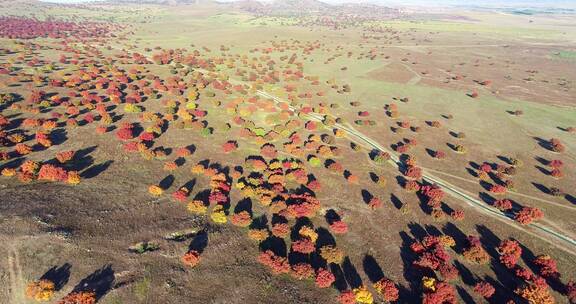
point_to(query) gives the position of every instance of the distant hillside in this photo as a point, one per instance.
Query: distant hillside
(313, 7)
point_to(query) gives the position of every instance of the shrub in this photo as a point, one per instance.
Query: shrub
(331, 254)
(374, 203)
(218, 216)
(387, 289)
(381, 157)
(439, 155)
(503, 204)
(101, 129)
(347, 297)
(556, 173)
(528, 214)
(64, 156)
(324, 278)
(442, 293)
(339, 227)
(277, 264)
(8, 172)
(191, 258)
(146, 136)
(363, 296)
(197, 207)
(435, 124)
(180, 195)
(510, 252)
(308, 232)
(155, 190)
(556, 163)
(241, 219)
(314, 161)
(258, 235)
(413, 172)
(183, 152)
(305, 246)
(556, 145)
(302, 271)
(484, 289)
(170, 166)
(412, 186)
(269, 150)
(352, 179)
(534, 293)
(80, 297)
(457, 215)
(124, 134)
(448, 272)
(280, 230)
(23, 149)
(475, 252)
(52, 173)
(73, 178)
(547, 266)
(498, 189)
(556, 192)
(229, 146)
(42, 290)
(460, 149)
(571, 292)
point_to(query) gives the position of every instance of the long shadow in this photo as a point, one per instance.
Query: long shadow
(372, 269)
(466, 297)
(167, 182)
(543, 170)
(542, 160)
(487, 198)
(366, 196)
(543, 143)
(199, 242)
(351, 274)
(189, 185)
(472, 172)
(411, 274)
(460, 237)
(325, 238)
(570, 198)
(244, 204)
(260, 222)
(396, 201)
(505, 279)
(465, 273)
(276, 245)
(340, 279)
(58, 136)
(100, 282)
(528, 257)
(58, 275)
(96, 170)
(300, 222)
(541, 187)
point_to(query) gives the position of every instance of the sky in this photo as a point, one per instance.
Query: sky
(489, 3)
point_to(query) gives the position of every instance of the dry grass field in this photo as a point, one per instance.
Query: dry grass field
(230, 153)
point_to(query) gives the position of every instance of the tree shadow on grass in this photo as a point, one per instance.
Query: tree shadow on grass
(372, 269)
(199, 242)
(58, 275)
(351, 274)
(100, 282)
(95, 170)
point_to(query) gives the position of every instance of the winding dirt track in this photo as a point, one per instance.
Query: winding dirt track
(17, 283)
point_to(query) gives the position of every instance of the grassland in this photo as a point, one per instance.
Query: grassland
(436, 64)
